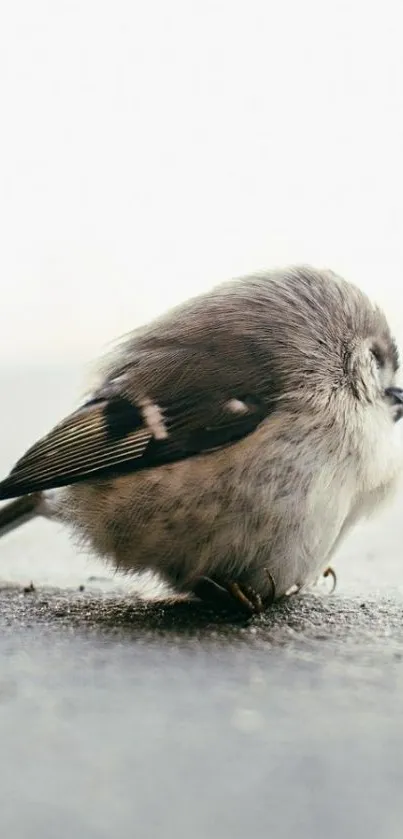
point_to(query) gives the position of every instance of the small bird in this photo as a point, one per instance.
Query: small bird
(230, 444)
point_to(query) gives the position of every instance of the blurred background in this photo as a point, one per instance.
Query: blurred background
(149, 150)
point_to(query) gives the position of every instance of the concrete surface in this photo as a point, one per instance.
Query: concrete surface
(122, 716)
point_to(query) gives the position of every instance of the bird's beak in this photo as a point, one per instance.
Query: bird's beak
(395, 394)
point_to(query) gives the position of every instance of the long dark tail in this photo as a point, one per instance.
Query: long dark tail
(19, 512)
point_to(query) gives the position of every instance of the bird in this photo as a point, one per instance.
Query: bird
(230, 444)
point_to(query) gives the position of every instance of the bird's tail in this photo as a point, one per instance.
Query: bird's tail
(17, 512)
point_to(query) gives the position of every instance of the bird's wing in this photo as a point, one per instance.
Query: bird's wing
(114, 434)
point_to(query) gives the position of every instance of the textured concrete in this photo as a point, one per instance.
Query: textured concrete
(124, 717)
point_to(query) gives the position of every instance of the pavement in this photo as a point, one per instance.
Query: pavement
(127, 712)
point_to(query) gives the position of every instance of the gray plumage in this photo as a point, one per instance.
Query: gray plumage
(236, 438)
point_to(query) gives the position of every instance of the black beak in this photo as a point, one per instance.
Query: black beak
(395, 394)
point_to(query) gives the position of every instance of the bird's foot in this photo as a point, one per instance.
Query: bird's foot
(246, 597)
(211, 592)
(225, 593)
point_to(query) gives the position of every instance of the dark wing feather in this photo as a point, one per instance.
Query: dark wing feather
(191, 370)
(98, 436)
(109, 437)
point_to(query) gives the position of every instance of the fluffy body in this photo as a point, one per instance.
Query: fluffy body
(304, 358)
(279, 500)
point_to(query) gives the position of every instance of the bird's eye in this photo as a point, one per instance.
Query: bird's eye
(378, 355)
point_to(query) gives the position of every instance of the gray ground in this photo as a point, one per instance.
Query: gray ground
(122, 716)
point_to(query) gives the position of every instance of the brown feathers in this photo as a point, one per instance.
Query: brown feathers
(206, 374)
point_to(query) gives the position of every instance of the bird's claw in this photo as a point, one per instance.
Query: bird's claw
(246, 596)
(330, 572)
(224, 592)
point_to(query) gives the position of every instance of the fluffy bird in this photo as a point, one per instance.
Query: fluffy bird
(231, 443)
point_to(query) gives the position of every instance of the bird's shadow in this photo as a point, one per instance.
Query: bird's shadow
(122, 614)
(307, 616)
(300, 621)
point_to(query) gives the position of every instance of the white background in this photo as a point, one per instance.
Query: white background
(150, 149)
